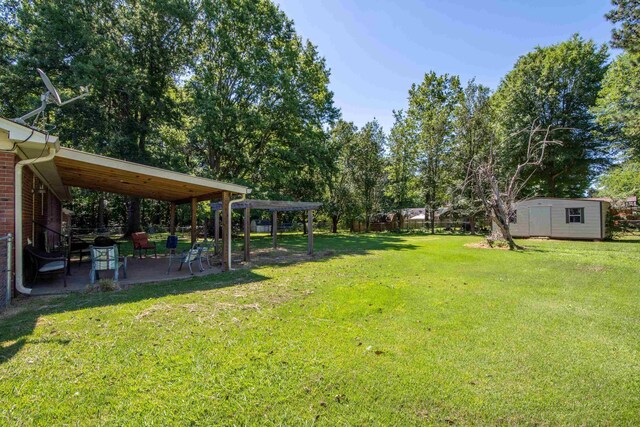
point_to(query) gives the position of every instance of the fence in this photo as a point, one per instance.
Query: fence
(6, 244)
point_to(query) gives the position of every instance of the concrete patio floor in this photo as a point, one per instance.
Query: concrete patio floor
(145, 270)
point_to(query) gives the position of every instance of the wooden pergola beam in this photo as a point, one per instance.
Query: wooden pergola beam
(247, 234)
(194, 220)
(274, 228)
(216, 229)
(226, 231)
(310, 232)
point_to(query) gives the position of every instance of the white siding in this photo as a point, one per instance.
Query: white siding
(594, 217)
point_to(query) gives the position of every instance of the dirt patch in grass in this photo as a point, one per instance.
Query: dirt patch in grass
(485, 245)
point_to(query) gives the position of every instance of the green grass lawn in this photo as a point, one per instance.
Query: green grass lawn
(376, 330)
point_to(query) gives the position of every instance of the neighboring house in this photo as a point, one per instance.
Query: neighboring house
(36, 173)
(584, 219)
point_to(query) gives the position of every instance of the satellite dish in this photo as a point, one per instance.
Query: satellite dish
(50, 96)
(50, 87)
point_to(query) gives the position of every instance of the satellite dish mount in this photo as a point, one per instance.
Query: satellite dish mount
(51, 96)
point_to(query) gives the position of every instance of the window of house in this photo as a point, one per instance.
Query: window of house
(575, 215)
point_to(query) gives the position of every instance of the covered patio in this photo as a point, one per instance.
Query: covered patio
(65, 167)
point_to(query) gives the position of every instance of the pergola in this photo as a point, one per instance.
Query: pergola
(274, 206)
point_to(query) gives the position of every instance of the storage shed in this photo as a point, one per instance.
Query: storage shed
(558, 218)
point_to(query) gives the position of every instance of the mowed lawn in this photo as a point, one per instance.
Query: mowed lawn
(376, 330)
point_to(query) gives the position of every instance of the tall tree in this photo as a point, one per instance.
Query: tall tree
(431, 115)
(340, 200)
(473, 134)
(618, 104)
(366, 166)
(627, 35)
(556, 85)
(402, 186)
(260, 96)
(132, 54)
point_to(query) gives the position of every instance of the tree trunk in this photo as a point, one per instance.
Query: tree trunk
(133, 216)
(506, 234)
(472, 224)
(334, 222)
(433, 220)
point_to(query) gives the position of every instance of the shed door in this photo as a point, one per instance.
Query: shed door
(540, 221)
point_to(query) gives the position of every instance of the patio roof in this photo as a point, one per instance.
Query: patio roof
(76, 168)
(271, 205)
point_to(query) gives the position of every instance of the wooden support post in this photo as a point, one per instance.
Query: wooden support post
(226, 231)
(247, 234)
(310, 232)
(194, 220)
(172, 218)
(274, 229)
(216, 229)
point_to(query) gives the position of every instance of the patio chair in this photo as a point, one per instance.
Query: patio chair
(106, 258)
(188, 257)
(45, 262)
(140, 242)
(208, 251)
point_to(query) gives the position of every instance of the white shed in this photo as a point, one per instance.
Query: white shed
(561, 218)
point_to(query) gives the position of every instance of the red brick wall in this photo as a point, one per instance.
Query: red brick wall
(7, 188)
(27, 205)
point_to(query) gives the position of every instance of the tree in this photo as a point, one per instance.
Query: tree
(618, 105)
(498, 190)
(260, 97)
(627, 36)
(402, 186)
(621, 181)
(473, 133)
(431, 113)
(340, 200)
(366, 167)
(556, 85)
(131, 54)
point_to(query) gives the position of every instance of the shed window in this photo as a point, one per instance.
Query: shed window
(575, 215)
(513, 218)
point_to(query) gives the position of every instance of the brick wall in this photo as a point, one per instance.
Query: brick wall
(7, 188)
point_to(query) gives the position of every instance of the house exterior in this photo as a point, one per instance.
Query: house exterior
(36, 173)
(583, 219)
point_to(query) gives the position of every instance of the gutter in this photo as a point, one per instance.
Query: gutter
(18, 216)
(228, 230)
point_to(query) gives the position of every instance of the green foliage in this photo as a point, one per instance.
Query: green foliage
(365, 164)
(403, 186)
(621, 181)
(431, 120)
(627, 35)
(341, 200)
(618, 105)
(260, 99)
(555, 86)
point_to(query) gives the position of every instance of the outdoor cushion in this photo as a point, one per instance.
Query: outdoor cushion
(52, 266)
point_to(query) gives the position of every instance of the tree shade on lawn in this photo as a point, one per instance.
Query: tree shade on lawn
(377, 330)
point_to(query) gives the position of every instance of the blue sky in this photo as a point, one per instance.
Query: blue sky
(376, 49)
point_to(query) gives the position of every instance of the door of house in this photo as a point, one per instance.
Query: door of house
(540, 221)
